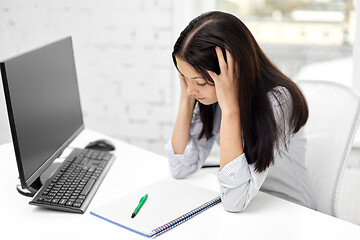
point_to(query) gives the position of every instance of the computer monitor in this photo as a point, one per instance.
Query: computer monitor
(43, 105)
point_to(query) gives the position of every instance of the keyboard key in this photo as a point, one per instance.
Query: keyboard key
(81, 197)
(88, 186)
(77, 204)
(79, 200)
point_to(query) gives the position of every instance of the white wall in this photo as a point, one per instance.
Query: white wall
(123, 59)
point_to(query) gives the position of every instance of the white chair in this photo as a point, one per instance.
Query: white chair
(334, 111)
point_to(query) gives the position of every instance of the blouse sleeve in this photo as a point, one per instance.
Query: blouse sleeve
(238, 180)
(195, 153)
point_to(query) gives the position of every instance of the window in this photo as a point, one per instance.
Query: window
(322, 22)
(298, 33)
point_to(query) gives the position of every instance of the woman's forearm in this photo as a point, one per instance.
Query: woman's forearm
(231, 145)
(181, 133)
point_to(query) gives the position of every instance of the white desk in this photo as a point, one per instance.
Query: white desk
(266, 217)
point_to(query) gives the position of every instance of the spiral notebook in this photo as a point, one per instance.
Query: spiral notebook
(170, 202)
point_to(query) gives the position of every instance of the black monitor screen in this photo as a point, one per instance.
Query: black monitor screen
(43, 104)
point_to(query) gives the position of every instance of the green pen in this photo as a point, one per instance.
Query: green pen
(141, 203)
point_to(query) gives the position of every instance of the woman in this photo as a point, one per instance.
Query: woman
(232, 94)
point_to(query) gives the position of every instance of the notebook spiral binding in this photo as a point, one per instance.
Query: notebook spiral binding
(185, 217)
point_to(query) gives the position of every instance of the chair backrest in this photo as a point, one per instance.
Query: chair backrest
(334, 111)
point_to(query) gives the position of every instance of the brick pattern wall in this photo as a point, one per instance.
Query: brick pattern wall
(123, 58)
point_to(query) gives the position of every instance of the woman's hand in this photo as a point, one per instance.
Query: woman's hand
(183, 85)
(184, 96)
(226, 83)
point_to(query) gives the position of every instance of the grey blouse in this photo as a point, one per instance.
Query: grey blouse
(239, 182)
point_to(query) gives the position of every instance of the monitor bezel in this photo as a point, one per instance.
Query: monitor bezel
(26, 183)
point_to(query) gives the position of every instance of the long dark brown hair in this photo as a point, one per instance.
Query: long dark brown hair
(257, 76)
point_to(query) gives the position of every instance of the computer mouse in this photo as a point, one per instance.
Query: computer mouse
(101, 144)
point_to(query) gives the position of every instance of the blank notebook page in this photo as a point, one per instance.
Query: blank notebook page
(167, 200)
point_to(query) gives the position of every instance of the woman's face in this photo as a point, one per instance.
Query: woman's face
(196, 84)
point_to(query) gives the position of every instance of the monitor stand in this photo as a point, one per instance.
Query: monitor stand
(38, 183)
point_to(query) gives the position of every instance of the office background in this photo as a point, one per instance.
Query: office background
(127, 81)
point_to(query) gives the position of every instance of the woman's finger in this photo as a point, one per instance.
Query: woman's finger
(213, 75)
(230, 62)
(222, 63)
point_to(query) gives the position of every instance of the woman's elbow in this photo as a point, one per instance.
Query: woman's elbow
(179, 170)
(232, 205)
(177, 174)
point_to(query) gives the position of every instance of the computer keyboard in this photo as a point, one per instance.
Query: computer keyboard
(76, 181)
